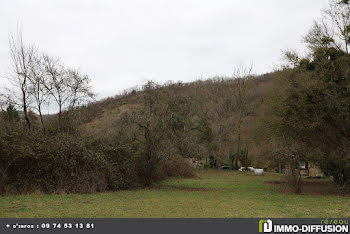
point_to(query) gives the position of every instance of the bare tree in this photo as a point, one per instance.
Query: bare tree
(56, 83)
(241, 91)
(67, 87)
(21, 56)
(37, 88)
(79, 87)
(290, 153)
(152, 131)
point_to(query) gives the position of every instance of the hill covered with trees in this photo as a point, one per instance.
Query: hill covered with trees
(296, 114)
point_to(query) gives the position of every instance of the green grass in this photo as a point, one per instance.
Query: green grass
(215, 194)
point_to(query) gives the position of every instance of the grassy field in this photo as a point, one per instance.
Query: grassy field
(213, 194)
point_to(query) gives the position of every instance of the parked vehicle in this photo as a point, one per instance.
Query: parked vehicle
(226, 168)
(246, 169)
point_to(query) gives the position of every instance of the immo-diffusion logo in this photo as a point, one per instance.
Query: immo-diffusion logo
(265, 225)
(337, 226)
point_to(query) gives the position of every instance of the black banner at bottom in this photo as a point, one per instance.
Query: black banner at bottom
(155, 226)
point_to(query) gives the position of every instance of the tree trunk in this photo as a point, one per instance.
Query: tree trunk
(25, 109)
(298, 182)
(59, 117)
(279, 168)
(339, 178)
(239, 138)
(41, 119)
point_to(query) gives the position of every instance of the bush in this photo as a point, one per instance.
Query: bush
(122, 167)
(51, 164)
(176, 167)
(60, 162)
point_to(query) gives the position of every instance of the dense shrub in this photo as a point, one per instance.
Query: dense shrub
(122, 167)
(50, 163)
(59, 162)
(177, 167)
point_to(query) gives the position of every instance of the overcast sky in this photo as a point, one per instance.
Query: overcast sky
(121, 44)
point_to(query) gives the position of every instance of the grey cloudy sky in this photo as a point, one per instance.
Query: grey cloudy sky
(121, 44)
